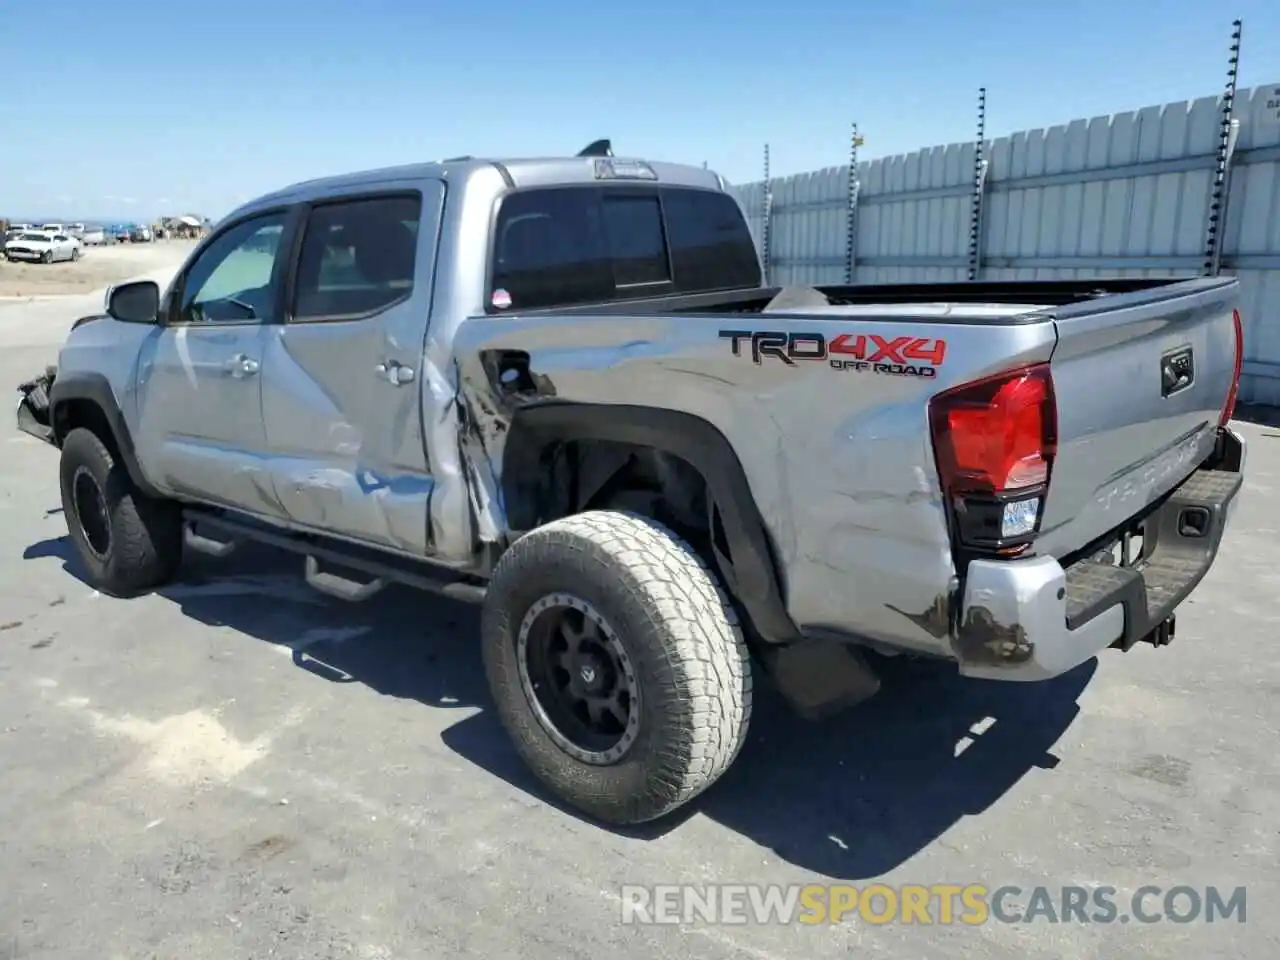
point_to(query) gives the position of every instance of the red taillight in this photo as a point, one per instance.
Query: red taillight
(995, 440)
(1229, 407)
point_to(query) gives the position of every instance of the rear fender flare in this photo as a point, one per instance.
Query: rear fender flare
(94, 388)
(759, 582)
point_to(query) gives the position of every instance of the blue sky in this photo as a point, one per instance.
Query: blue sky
(101, 120)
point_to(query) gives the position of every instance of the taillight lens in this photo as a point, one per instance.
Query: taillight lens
(1229, 407)
(994, 441)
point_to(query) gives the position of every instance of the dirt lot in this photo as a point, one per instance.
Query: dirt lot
(98, 267)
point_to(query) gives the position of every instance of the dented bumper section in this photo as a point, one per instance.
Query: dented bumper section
(1034, 619)
(33, 407)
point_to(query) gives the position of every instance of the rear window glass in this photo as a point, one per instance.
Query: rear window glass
(637, 247)
(579, 245)
(711, 248)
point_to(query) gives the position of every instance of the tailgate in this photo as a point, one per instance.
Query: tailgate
(1141, 380)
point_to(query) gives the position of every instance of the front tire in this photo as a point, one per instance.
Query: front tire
(46, 257)
(128, 542)
(607, 599)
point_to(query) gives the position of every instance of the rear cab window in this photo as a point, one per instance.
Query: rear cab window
(579, 245)
(357, 257)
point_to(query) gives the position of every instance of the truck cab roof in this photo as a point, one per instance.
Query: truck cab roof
(515, 173)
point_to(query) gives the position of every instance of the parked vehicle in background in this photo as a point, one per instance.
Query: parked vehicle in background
(557, 386)
(53, 228)
(120, 233)
(75, 230)
(140, 234)
(93, 236)
(38, 246)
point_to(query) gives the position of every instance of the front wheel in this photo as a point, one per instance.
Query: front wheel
(128, 542)
(75, 254)
(617, 665)
(46, 257)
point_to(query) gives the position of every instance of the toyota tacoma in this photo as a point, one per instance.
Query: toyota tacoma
(560, 387)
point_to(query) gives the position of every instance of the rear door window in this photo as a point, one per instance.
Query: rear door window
(358, 258)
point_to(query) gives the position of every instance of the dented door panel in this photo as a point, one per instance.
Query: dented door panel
(200, 422)
(347, 441)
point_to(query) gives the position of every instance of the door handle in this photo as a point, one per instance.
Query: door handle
(396, 374)
(242, 365)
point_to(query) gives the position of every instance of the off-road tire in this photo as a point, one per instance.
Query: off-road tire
(680, 633)
(145, 548)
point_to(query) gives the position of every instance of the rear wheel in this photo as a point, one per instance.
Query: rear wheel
(617, 665)
(128, 542)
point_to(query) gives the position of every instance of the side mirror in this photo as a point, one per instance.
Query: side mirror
(137, 302)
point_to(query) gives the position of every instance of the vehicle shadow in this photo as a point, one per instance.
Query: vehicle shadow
(849, 798)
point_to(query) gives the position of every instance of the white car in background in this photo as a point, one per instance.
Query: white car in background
(44, 247)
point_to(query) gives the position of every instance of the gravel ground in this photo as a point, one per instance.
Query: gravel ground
(98, 267)
(238, 767)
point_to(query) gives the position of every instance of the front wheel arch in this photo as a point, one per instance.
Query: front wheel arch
(87, 400)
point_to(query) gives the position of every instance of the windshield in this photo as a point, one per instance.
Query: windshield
(34, 236)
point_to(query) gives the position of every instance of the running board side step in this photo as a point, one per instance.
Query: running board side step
(210, 532)
(203, 544)
(341, 587)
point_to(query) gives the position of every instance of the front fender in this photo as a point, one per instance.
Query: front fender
(81, 398)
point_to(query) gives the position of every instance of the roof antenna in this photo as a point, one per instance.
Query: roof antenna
(598, 148)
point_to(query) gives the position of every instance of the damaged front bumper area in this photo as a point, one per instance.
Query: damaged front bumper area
(33, 407)
(1034, 619)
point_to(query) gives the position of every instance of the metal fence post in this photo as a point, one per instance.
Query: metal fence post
(851, 226)
(979, 188)
(1228, 134)
(766, 214)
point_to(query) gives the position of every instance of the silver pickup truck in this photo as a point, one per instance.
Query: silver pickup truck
(558, 387)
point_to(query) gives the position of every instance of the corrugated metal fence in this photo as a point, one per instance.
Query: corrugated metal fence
(1124, 195)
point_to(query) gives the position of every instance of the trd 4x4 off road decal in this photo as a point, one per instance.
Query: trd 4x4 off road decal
(896, 356)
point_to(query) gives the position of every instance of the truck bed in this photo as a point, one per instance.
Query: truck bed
(998, 301)
(1124, 438)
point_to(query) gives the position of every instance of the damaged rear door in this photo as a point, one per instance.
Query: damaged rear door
(343, 404)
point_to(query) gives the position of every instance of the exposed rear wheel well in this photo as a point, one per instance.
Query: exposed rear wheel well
(594, 474)
(675, 468)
